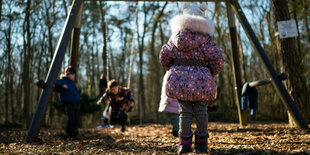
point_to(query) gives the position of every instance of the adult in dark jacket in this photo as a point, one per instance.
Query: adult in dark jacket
(102, 84)
(121, 100)
(70, 97)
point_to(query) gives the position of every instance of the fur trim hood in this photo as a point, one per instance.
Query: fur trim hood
(194, 23)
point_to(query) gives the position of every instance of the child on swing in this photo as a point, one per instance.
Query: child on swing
(192, 59)
(121, 101)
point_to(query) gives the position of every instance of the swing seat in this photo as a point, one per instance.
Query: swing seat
(104, 126)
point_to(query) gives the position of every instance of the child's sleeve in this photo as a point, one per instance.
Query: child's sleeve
(58, 84)
(164, 57)
(215, 58)
(130, 96)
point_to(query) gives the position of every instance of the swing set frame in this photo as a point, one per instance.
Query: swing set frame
(71, 30)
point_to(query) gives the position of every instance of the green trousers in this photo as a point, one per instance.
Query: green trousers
(174, 118)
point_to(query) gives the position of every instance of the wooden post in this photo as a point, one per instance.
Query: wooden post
(75, 38)
(236, 64)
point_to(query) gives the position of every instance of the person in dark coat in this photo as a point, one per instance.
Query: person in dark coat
(70, 97)
(121, 100)
(103, 84)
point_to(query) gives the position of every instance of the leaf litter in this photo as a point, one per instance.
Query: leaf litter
(225, 138)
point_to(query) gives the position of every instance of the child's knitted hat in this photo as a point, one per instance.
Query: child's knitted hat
(112, 83)
(194, 10)
(69, 70)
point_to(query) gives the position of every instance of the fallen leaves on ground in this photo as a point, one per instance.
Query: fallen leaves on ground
(225, 138)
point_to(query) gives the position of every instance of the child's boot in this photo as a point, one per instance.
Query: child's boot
(175, 133)
(185, 143)
(201, 142)
(123, 128)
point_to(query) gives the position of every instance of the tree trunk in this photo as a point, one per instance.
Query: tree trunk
(19, 92)
(271, 31)
(0, 11)
(10, 72)
(26, 65)
(131, 53)
(87, 63)
(243, 58)
(290, 60)
(104, 34)
(141, 98)
(112, 67)
(123, 57)
(49, 7)
(162, 36)
(6, 98)
(39, 64)
(297, 25)
(6, 104)
(306, 11)
(65, 7)
(93, 64)
(155, 62)
(49, 25)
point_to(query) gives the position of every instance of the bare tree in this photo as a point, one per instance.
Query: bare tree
(290, 60)
(65, 7)
(104, 34)
(141, 41)
(305, 3)
(8, 71)
(0, 11)
(50, 22)
(26, 64)
(157, 69)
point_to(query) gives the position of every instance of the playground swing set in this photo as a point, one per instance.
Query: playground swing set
(71, 30)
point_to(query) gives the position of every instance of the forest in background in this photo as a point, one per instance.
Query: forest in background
(29, 32)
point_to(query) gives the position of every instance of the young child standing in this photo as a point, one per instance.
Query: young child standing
(121, 100)
(170, 106)
(192, 60)
(70, 97)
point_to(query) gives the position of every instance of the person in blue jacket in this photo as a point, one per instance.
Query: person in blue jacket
(70, 97)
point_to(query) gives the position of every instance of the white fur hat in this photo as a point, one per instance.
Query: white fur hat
(194, 10)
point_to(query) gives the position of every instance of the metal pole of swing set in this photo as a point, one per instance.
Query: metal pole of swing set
(282, 92)
(53, 71)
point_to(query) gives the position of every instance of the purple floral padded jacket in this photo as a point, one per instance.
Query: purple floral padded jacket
(191, 41)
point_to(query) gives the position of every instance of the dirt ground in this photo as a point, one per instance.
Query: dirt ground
(225, 138)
